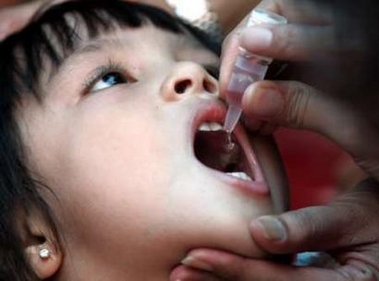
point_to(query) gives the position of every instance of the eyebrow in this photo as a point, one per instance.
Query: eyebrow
(93, 46)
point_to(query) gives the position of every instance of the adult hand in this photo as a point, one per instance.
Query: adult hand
(309, 35)
(326, 46)
(14, 18)
(347, 228)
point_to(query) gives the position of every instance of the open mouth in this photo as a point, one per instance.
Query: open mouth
(212, 148)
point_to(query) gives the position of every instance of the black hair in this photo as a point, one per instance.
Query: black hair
(23, 57)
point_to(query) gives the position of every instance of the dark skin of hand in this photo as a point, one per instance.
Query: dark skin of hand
(347, 228)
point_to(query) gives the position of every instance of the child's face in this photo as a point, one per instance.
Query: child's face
(118, 153)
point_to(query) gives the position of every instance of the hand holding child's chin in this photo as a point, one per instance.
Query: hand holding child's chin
(351, 261)
(346, 228)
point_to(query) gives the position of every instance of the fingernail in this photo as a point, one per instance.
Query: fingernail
(196, 263)
(265, 102)
(256, 37)
(272, 228)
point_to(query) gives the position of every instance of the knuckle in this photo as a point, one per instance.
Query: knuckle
(356, 223)
(285, 39)
(297, 105)
(358, 274)
(314, 224)
(245, 271)
(282, 39)
(368, 273)
(353, 135)
(239, 272)
(307, 222)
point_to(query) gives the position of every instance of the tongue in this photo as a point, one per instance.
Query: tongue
(211, 148)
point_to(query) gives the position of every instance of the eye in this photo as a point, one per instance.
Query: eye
(108, 80)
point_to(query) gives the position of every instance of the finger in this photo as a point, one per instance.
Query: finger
(286, 42)
(350, 222)
(292, 42)
(234, 268)
(13, 18)
(185, 273)
(309, 12)
(280, 42)
(296, 105)
(290, 104)
(297, 12)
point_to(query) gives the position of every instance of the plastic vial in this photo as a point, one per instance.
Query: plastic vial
(248, 69)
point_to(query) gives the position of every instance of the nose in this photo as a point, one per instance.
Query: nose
(188, 78)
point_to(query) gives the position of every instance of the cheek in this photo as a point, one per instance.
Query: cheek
(116, 179)
(111, 157)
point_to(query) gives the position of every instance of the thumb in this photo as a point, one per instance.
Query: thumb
(347, 222)
(297, 231)
(291, 104)
(297, 105)
(292, 42)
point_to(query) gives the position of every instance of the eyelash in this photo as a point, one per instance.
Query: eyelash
(115, 68)
(101, 72)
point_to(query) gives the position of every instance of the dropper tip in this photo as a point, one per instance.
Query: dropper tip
(231, 118)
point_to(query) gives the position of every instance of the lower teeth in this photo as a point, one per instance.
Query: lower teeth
(240, 175)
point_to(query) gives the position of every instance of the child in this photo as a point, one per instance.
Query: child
(113, 162)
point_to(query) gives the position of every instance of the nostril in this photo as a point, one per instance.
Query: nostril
(209, 87)
(182, 86)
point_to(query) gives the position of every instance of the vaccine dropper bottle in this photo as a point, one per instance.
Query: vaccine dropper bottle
(248, 69)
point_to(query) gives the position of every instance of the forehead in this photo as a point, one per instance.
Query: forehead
(147, 34)
(146, 40)
(38, 52)
(141, 42)
(134, 46)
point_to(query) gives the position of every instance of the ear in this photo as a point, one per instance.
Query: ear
(40, 244)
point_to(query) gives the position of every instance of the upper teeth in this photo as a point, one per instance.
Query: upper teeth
(211, 126)
(241, 175)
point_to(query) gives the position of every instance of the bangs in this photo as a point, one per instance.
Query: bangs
(59, 31)
(26, 58)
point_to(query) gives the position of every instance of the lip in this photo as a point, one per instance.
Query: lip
(215, 111)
